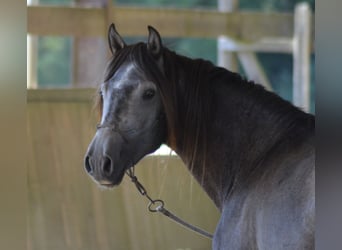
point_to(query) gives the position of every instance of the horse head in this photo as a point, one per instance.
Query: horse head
(132, 117)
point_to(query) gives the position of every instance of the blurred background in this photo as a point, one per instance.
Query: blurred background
(268, 41)
(66, 61)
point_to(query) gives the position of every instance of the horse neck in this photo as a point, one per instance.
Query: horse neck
(255, 125)
(243, 123)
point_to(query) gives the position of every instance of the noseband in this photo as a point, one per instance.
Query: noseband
(114, 127)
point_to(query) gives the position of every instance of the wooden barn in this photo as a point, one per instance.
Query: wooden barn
(66, 209)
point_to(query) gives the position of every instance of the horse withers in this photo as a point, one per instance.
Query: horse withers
(251, 151)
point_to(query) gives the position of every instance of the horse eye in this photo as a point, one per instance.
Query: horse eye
(148, 94)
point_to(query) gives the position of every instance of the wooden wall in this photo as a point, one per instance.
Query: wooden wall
(68, 211)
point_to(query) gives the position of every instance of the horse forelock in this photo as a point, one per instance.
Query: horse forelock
(113, 65)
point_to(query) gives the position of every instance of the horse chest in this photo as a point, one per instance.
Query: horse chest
(235, 229)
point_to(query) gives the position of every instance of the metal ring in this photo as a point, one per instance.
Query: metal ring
(155, 205)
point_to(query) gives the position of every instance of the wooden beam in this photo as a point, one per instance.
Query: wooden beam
(278, 45)
(199, 23)
(65, 21)
(61, 95)
(81, 21)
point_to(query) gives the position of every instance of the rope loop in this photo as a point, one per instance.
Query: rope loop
(156, 206)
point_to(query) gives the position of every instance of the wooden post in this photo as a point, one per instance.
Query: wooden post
(89, 54)
(226, 59)
(32, 56)
(32, 52)
(301, 56)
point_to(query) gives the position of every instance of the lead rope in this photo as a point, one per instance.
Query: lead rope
(158, 206)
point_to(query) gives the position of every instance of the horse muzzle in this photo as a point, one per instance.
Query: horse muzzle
(102, 160)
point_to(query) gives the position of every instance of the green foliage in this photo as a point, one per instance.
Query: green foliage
(54, 57)
(279, 69)
(56, 2)
(273, 5)
(194, 47)
(54, 63)
(169, 3)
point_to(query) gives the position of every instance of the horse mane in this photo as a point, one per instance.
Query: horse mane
(187, 96)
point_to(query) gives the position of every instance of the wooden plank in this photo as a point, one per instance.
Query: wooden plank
(65, 21)
(193, 23)
(81, 21)
(199, 23)
(275, 45)
(61, 95)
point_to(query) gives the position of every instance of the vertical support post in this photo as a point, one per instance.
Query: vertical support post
(32, 57)
(226, 59)
(301, 56)
(229, 60)
(89, 54)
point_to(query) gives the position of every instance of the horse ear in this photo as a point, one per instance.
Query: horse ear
(154, 43)
(115, 41)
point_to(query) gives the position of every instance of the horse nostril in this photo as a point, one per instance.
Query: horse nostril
(88, 166)
(107, 166)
